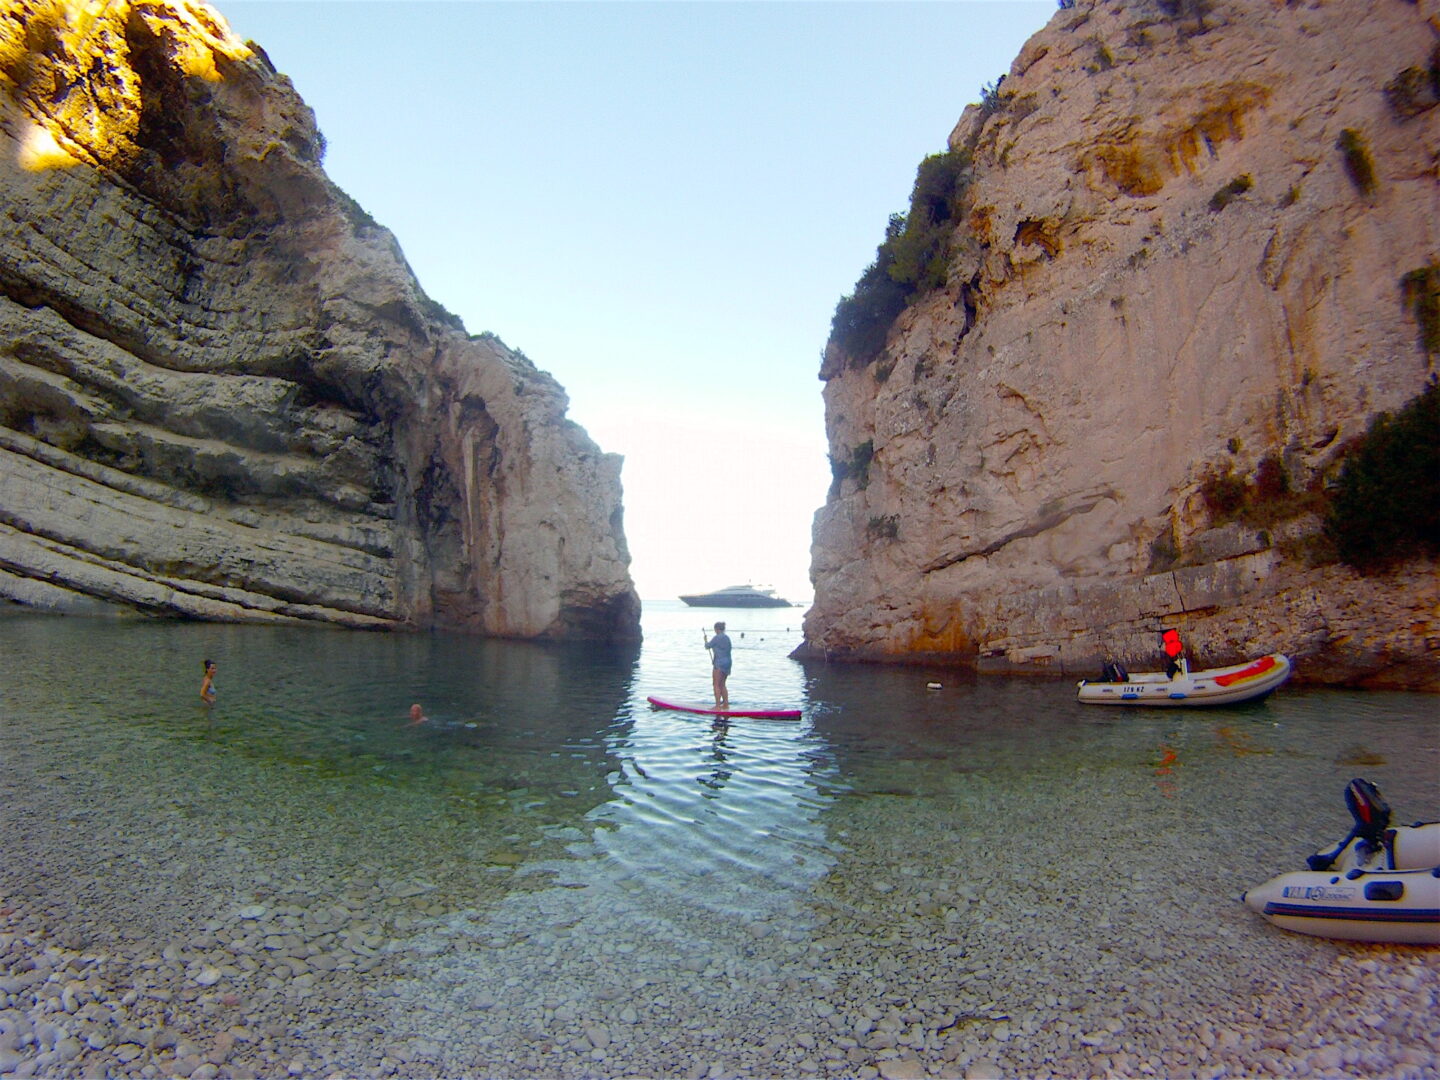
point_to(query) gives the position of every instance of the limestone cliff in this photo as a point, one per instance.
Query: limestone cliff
(222, 392)
(1184, 247)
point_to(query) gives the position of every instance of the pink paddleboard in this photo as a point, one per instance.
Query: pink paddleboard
(710, 710)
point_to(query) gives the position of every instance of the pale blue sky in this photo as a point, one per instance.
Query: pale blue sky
(659, 204)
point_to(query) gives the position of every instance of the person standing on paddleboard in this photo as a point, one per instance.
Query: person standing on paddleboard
(719, 647)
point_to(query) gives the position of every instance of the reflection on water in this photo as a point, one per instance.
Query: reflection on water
(549, 848)
(523, 740)
(531, 737)
(736, 805)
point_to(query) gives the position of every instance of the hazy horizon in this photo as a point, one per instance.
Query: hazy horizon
(657, 203)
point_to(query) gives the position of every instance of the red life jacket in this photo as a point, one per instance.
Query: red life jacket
(1173, 648)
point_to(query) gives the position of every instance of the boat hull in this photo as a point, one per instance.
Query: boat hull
(1250, 681)
(1379, 895)
(1384, 905)
(737, 596)
(710, 600)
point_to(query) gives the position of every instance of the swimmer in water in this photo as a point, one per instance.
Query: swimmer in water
(417, 715)
(207, 684)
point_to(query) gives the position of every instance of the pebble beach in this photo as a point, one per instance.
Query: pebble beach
(398, 979)
(998, 909)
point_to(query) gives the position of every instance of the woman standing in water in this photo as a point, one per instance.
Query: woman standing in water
(719, 647)
(207, 684)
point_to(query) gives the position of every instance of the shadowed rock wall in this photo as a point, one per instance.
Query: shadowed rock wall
(222, 392)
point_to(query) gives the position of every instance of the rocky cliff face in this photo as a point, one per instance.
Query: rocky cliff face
(222, 392)
(1181, 250)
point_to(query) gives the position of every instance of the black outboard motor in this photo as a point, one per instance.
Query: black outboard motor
(1369, 809)
(1372, 817)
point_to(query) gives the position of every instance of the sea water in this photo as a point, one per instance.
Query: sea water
(550, 866)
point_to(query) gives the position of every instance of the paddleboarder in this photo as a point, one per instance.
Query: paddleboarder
(719, 647)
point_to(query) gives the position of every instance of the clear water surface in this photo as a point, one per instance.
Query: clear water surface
(549, 854)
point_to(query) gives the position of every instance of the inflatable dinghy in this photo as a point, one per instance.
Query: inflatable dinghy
(1379, 884)
(1249, 681)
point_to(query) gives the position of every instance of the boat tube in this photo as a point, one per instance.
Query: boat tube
(1250, 681)
(1379, 884)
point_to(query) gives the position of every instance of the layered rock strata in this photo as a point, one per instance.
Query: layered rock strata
(1186, 244)
(224, 395)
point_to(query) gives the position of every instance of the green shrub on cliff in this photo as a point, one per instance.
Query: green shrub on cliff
(863, 318)
(912, 260)
(1230, 192)
(922, 250)
(1358, 166)
(1415, 90)
(1223, 494)
(1262, 501)
(1421, 290)
(1387, 506)
(854, 466)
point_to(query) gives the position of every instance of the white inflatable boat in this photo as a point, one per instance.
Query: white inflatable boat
(1249, 681)
(1380, 884)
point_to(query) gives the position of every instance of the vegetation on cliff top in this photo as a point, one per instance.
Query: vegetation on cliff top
(911, 261)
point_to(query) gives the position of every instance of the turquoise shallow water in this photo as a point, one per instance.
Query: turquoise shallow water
(550, 855)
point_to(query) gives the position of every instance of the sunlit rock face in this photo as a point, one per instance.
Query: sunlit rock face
(1166, 264)
(223, 394)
